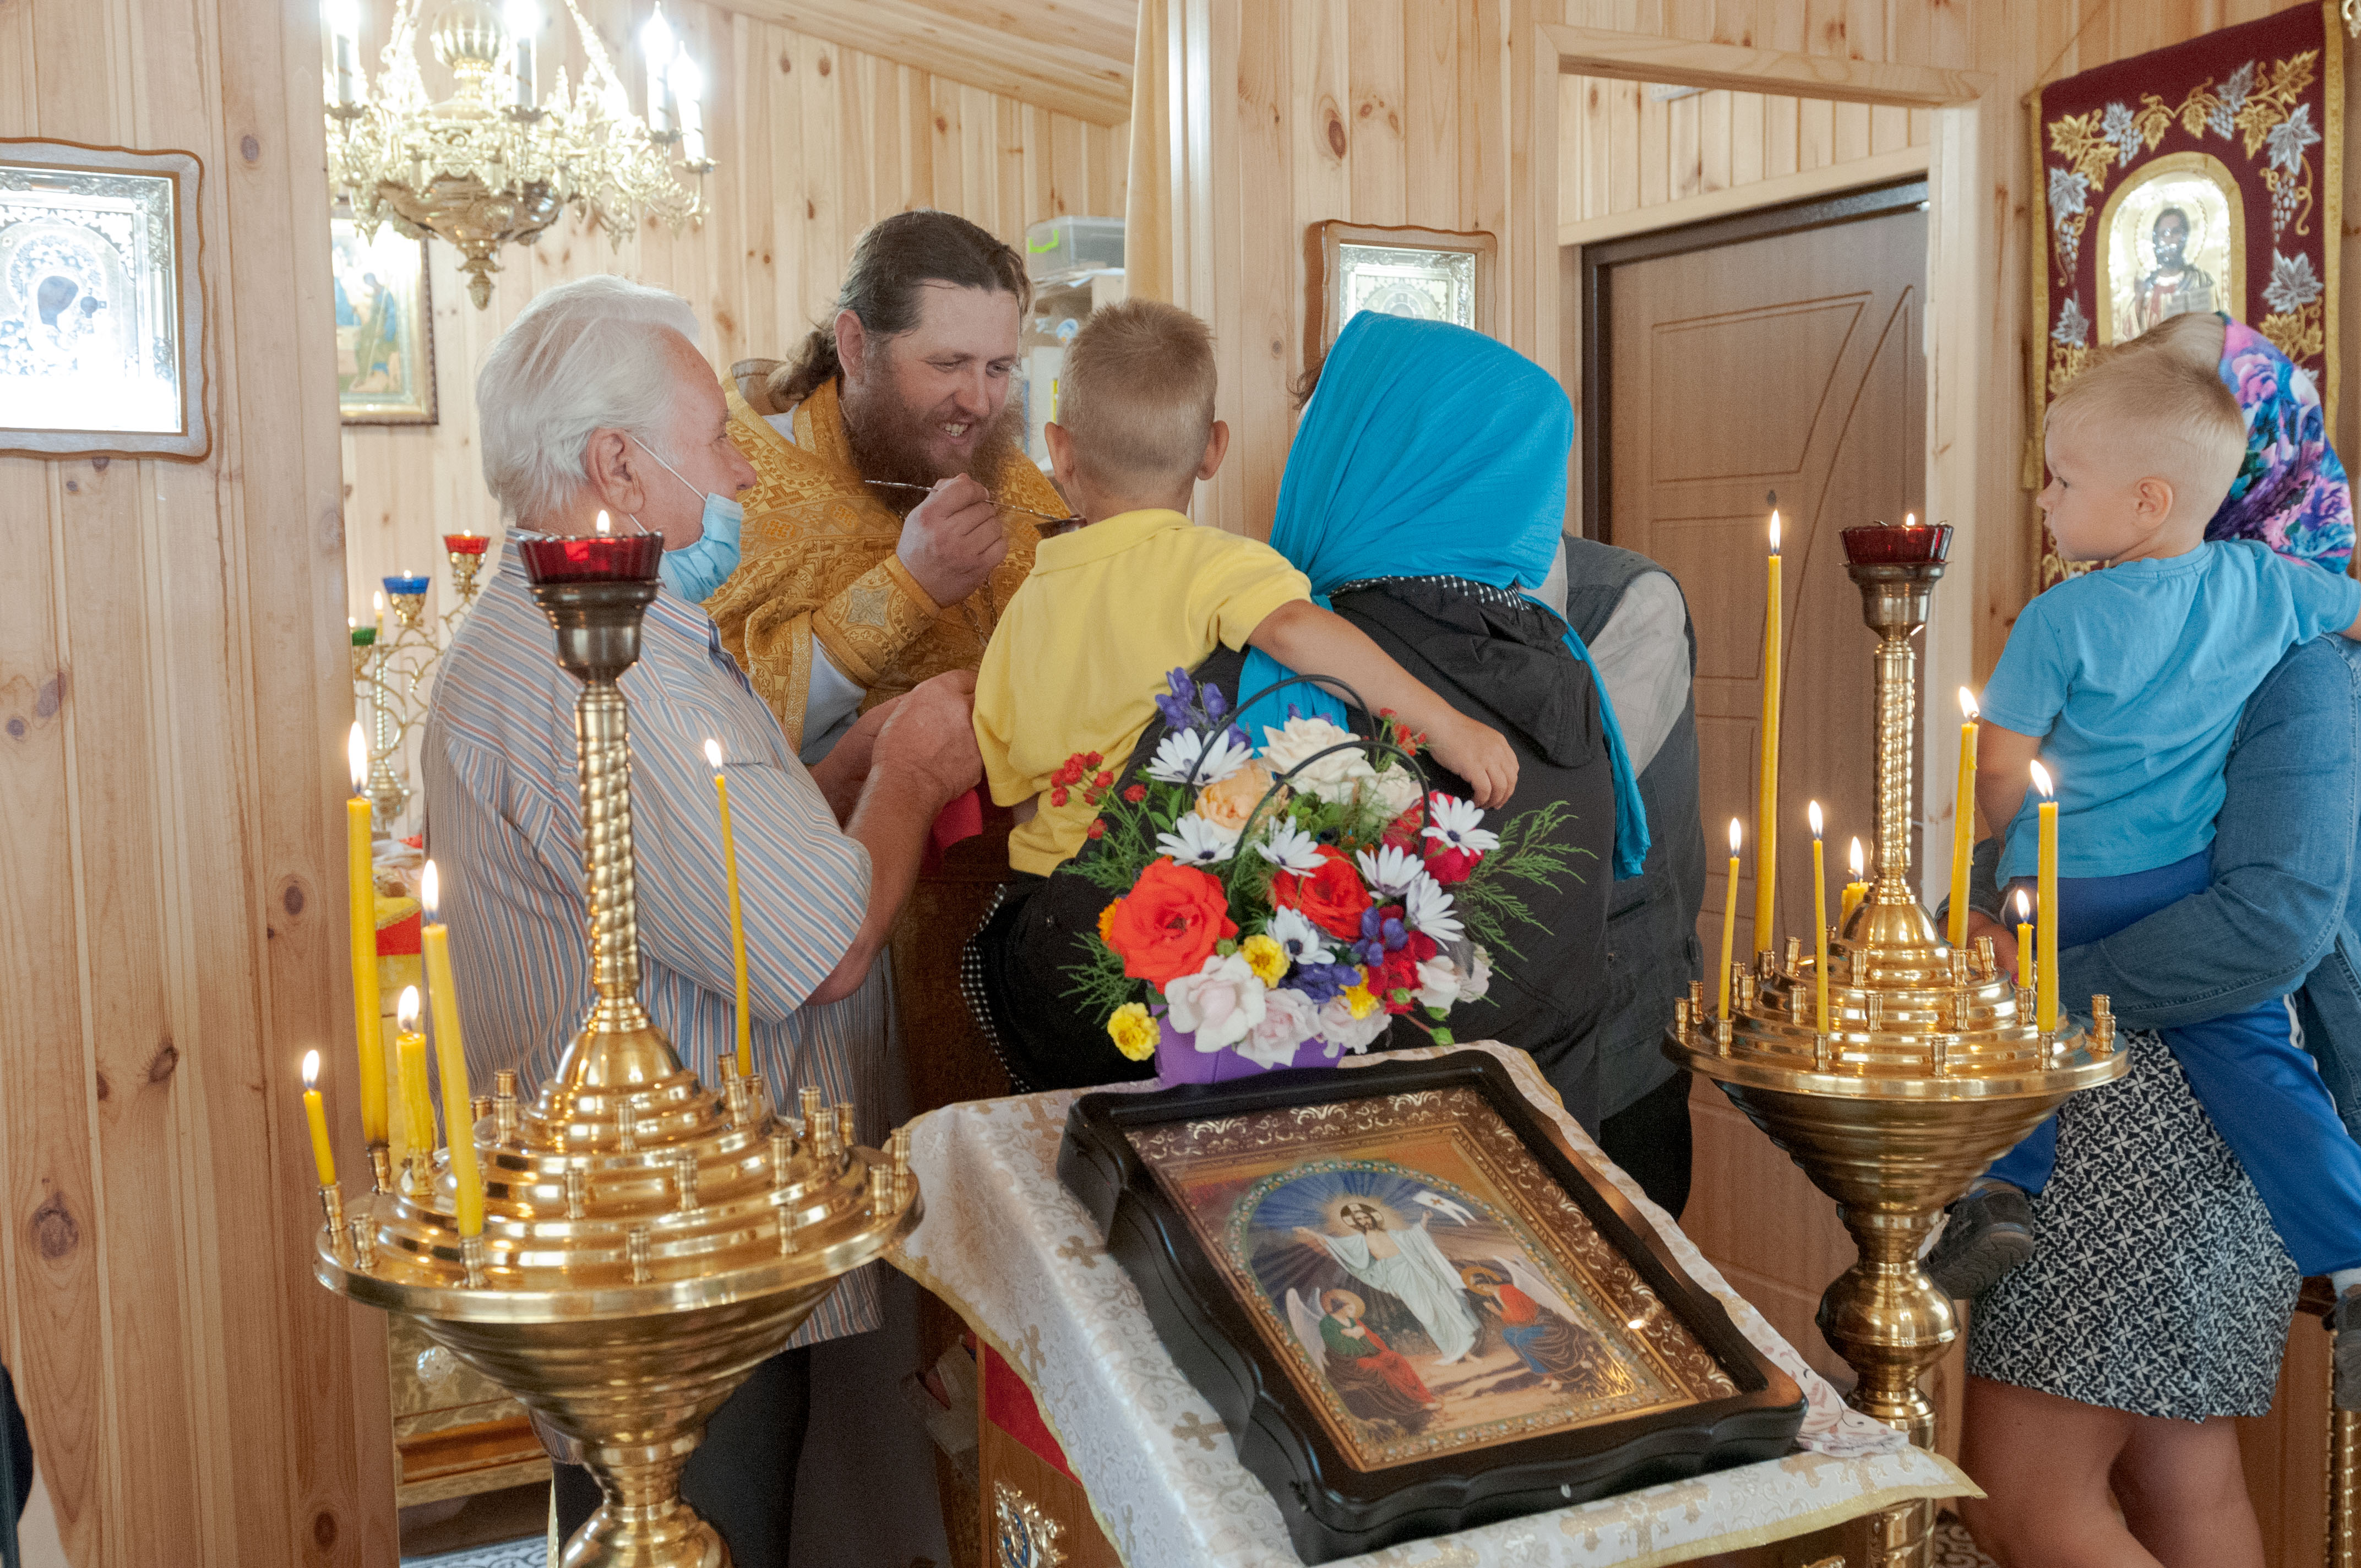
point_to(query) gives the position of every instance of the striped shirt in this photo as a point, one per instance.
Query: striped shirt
(503, 814)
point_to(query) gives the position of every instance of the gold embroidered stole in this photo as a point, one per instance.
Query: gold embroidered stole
(819, 566)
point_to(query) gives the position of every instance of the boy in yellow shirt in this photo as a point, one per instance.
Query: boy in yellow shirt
(1114, 607)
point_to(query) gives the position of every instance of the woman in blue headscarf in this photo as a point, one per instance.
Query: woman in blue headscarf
(1424, 497)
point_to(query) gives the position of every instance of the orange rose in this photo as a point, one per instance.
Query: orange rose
(1167, 924)
(1228, 803)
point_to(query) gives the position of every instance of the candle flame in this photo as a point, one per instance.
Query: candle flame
(1909, 519)
(2041, 782)
(350, 622)
(1814, 813)
(430, 884)
(2023, 907)
(1775, 530)
(356, 753)
(604, 525)
(1857, 863)
(1735, 834)
(311, 1069)
(1968, 704)
(406, 1010)
(377, 604)
(713, 752)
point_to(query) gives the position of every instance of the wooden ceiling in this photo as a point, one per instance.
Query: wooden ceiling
(1072, 56)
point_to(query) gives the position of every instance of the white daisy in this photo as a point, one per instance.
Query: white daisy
(1190, 757)
(1390, 870)
(1304, 942)
(1428, 908)
(1452, 822)
(1290, 848)
(1194, 841)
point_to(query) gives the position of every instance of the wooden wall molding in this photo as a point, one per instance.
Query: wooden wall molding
(1877, 168)
(1649, 57)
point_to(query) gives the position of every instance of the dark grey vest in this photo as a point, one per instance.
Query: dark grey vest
(1652, 941)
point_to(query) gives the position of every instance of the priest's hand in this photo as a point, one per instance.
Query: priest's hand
(952, 540)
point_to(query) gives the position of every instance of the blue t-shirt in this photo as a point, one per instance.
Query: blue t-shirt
(2134, 678)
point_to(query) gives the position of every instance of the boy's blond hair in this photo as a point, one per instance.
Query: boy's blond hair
(1137, 396)
(2158, 411)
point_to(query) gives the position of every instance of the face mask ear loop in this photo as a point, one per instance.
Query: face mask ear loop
(637, 523)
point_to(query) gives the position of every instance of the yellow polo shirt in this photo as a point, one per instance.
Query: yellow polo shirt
(1082, 652)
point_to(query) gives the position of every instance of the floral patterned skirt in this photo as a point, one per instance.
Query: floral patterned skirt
(2158, 1285)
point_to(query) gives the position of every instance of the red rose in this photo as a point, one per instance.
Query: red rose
(1393, 978)
(1331, 898)
(1403, 831)
(1167, 924)
(1136, 794)
(1450, 867)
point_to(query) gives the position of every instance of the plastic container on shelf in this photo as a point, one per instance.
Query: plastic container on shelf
(1055, 247)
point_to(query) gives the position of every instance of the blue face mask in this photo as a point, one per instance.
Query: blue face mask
(698, 573)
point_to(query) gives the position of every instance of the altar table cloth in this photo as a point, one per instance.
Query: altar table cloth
(1023, 1262)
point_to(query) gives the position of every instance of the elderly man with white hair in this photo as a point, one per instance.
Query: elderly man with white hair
(597, 401)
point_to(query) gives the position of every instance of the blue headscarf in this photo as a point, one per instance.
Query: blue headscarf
(1430, 451)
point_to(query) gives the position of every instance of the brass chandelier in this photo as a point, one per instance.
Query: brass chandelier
(495, 163)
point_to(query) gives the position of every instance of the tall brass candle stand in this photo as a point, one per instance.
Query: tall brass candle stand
(648, 1241)
(1930, 1068)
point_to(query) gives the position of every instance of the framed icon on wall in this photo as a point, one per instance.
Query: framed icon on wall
(385, 326)
(102, 310)
(1425, 274)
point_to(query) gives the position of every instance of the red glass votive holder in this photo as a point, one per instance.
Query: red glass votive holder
(591, 558)
(466, 543)
(1897, 545)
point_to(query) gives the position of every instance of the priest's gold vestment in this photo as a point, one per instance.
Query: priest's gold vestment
(820, 566)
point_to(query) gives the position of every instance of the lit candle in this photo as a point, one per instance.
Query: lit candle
(1819, 924)
(2023, 941)
(376, 610)
(524, 20)
(656, 42)
(1766, 780)
(1730, 917)
(687, 85)
(360, 876)
(315, 1112)
(417, 1102)
(1854, 890)
(737, 925)
(450, 1057)
(1963, 820)
(2045, 902)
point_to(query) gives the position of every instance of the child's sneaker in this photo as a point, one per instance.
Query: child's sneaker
(1991, 1231)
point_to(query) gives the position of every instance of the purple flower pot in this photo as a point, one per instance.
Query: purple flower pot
(1177, 1060)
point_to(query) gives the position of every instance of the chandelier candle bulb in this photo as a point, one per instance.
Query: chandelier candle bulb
(656, 42)
(450, 1058)
(1964, 819)
(1730, 915)
(1819, 924)
(1854, 890)
(315, 1115)
(361, 874)
(343, 21)
(523, 18)
(686, 84)
(737, 921)
(1767, 781)
(2045, 912)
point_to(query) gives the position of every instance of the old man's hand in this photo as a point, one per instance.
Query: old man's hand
(952, 540)
(930, 737)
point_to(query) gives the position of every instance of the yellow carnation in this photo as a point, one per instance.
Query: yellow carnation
(1360, 998)
(1134, 1032)
(1266, 957)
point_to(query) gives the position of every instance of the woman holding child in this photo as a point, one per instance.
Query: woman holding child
(2157, 1297)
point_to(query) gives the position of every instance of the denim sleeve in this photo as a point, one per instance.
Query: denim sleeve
(2282, 861)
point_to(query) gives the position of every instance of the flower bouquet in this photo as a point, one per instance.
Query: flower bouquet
(1279, 907)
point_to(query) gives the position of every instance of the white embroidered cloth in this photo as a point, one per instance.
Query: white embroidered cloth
(1010, 1248)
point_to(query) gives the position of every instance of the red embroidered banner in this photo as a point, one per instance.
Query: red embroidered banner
(2203, 177)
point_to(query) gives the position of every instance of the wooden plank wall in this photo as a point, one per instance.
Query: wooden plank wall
(815, 141)
(171, 702)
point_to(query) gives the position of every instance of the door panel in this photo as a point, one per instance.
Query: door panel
(1790, 364)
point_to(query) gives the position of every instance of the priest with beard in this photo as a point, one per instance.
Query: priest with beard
(893, 514)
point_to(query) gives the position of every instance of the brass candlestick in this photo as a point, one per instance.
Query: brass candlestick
(1931, 1068)
(644, 1249)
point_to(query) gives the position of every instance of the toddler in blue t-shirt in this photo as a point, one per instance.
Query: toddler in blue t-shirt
(2128, 683)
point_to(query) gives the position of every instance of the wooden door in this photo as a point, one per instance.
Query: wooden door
(1788, 363)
